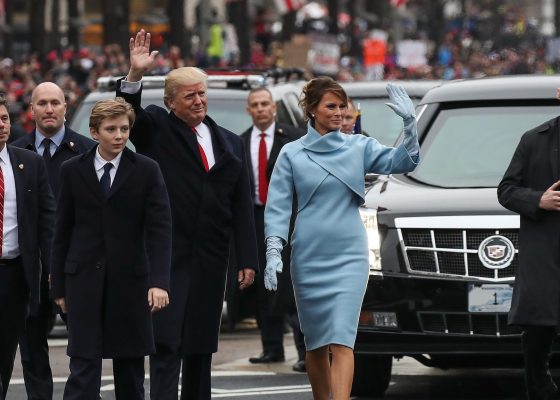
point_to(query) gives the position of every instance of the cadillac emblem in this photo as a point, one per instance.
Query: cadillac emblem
(496, 252)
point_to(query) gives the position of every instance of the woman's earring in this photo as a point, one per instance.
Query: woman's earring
(313, 115)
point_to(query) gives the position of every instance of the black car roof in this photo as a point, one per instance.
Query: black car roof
(514, 87)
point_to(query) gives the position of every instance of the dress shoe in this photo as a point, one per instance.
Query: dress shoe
(299, 366)
(267, 358)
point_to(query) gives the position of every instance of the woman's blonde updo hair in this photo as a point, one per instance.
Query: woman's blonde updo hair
(314, 91)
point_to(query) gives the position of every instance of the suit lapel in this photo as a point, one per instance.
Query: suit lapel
(280, 139)
(18, 168)
(224, 152)
(187, 137)
(246, 137)
(87, 170)
(125, 168)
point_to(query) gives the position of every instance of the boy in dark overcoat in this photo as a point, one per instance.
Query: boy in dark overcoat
(111, 256)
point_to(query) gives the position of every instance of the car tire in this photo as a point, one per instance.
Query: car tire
(372, 374)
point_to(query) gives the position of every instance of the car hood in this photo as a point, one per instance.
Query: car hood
(399, 196)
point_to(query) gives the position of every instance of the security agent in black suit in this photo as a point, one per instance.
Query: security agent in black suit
(111, 256)
(531, 188)
(26, 241)
(56, 143)
(263, 143)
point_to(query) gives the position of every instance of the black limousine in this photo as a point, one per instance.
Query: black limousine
(443, 251)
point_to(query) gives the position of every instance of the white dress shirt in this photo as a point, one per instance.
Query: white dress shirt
(99, 162)
(255, 143)
(10, 243)
(204, 138)
(56, 140)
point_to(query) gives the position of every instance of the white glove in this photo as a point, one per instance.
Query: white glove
(273, 262)
(400, 102)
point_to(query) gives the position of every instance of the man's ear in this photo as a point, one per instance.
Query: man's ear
(93, 133)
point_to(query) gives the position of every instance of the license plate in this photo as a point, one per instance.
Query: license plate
(490, 298)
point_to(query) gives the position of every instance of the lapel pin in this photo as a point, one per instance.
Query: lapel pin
(280, 130)
(20, 166)
(71, 144)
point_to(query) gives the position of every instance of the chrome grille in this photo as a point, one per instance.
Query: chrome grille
(487, 324)
(452, 253)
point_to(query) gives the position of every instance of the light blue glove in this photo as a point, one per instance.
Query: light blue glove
(273, 262)
(400, 102)
(404, 108)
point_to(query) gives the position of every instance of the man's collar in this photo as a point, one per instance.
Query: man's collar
(100, 161)
(56, 138)
(269, 132)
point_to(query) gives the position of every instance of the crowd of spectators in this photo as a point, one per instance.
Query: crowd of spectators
(484, 42)
(477, 45)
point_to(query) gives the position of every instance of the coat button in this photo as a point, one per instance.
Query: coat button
(98, 266)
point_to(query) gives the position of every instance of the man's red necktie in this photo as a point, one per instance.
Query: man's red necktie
(202, 153)
(263, 161)
(1, 210)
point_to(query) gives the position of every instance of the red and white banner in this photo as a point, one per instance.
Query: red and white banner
(398, 3)
(285, 6)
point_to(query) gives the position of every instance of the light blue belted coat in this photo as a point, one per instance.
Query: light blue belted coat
(330, 261)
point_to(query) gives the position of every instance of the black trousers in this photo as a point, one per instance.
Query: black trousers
(14, 296)
(537, 348)
(84, 381)
(272, 332)
(165, 366)
(34, 349)
(270, 324)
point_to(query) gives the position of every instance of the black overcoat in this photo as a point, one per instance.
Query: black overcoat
(108, 252)
(281, 301)
(533, 169)
(35, 217)
(208, 209)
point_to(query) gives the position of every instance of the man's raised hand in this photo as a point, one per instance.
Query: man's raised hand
(141, 60)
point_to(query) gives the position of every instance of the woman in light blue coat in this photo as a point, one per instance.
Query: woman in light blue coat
(325, 172)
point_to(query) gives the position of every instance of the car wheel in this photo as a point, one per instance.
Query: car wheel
(372, 374)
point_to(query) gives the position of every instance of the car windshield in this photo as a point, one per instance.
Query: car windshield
(379, 121)
(472, 147)
(230, 113)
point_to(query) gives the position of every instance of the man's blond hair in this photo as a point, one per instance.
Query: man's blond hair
(110, 108)
(184, 76)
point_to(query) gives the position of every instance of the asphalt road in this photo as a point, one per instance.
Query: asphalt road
(235, 378)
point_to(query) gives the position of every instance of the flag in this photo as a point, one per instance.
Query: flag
(286, 6)
(358, 123)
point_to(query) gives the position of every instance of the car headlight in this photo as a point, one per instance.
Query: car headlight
(369, 218)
